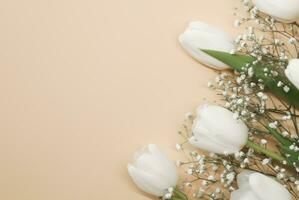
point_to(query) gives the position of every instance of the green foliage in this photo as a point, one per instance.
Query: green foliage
(178, 195)
(238, 63)
(285, 143)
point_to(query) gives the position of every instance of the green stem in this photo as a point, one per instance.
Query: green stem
(265, 151)
(178, 195)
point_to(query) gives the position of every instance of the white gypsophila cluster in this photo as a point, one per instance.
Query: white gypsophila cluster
(272, 44)
(242, 96)
(266, 38)
(208, 176)
(248, 98)
(255, 108)
(213, 176)
(271, 50)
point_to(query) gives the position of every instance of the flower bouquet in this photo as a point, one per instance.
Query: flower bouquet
(248, 147)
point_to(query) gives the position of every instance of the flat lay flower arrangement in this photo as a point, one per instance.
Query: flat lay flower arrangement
(247, 148)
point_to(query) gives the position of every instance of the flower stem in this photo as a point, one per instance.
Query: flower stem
(178, 195)
(265, 151)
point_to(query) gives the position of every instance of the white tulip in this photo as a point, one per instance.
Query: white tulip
(292, 72)
(256, 186)
(282, 10)
(216, 130)
(199, 35)
(153, 172)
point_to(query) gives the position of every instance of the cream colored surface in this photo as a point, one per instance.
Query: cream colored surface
(85, 83)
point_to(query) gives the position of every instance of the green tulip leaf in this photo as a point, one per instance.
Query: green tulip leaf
(291, 156)
(238, 63)
(284, 141)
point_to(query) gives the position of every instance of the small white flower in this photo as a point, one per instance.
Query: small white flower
(190, 171)
(266, 161)
(285, 133)
(286, 88)
(179, 163)
(280, 176)
(239, 101)
(211, 178)
(260, 94)
(178, 147)
(292, 40)
(286, 117)
(279, 84)
(168, 196)
(237, 23)
(170, 190)
(244, 112)
(204, 182)
(263, 141)
(265, 69)
(250, 72)
(188, 184)
(277, 41)
(246, 161)
(292, 147)
(188, 115)
(273, 124)
(230, 177)
(235, 115)
(199, 157)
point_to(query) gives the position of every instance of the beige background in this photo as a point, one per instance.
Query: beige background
(84, 83)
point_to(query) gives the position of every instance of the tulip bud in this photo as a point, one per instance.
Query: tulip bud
(292, 72)
(199, 35)
(153, 172)
(282, 10)
(216, 130)
(256, 186)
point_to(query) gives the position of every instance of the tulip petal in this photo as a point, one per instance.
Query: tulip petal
(256, 186)
(162, 169)
(204, 27)
(292, 72)
(199, 35)
(283, 10)
(243, 178)
(170, 170)
(203, 139)
(153, 172)
(156, 152)
(227, 129)
(243, 194)
(146, 181)
(266, 188)
(217, 131)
